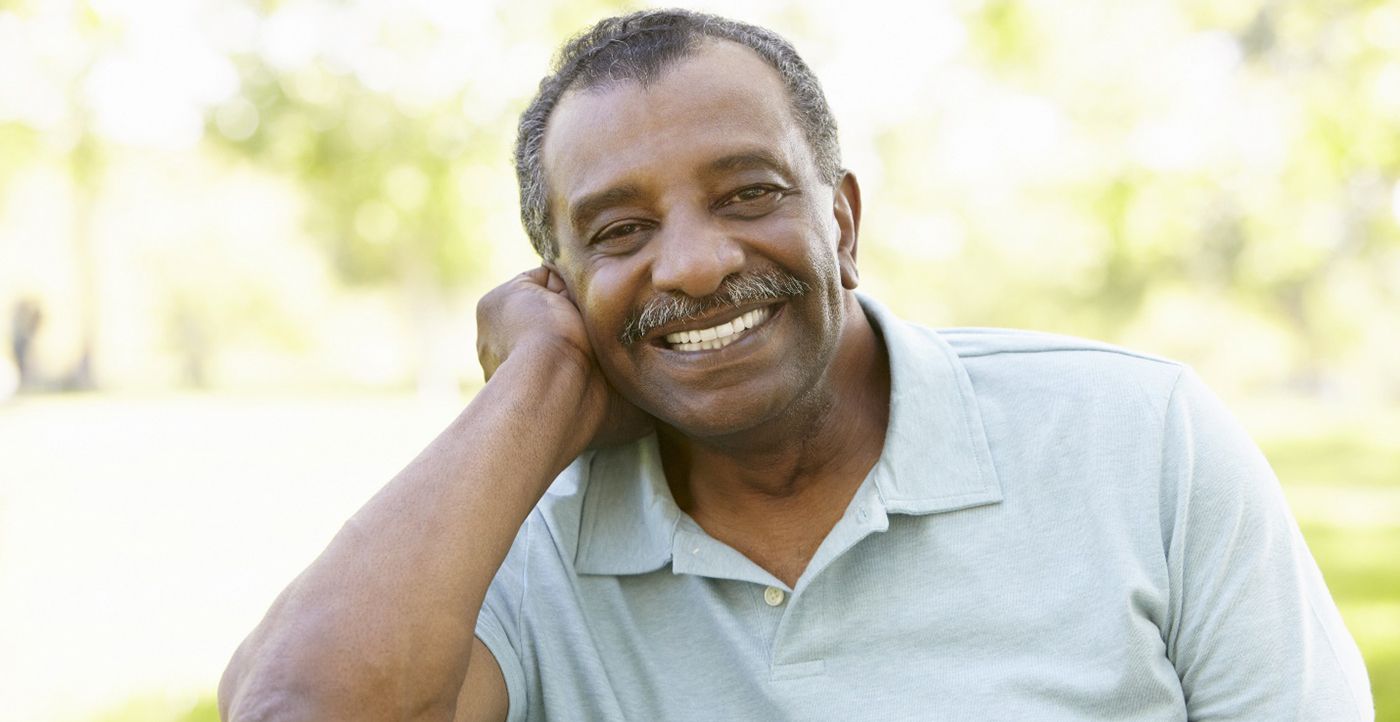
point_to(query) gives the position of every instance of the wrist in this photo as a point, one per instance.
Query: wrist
(555, 390)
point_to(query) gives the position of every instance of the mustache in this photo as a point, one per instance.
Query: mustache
(736, 290)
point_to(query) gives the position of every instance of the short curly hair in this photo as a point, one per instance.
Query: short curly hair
(638, 47)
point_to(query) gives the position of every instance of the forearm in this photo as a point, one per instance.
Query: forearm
(380, 625)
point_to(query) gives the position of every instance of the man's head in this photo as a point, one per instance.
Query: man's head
(639, 47)
(699, 231)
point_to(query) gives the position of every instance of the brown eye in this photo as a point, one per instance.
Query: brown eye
(752, 201)
(753, 193)
(618, 231)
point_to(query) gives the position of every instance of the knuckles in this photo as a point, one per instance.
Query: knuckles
(527, 310)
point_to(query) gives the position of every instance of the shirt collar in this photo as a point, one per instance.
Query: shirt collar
(935, 459)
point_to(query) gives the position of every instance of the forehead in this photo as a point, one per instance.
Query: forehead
(720, 99)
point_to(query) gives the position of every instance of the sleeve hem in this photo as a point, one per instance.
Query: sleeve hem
(488, 630)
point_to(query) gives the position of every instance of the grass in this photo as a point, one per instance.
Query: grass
(160, 709)
(1343, 483)
(1360, 568)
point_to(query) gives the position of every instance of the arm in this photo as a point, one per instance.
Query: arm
(381, 625)
(1254, 633)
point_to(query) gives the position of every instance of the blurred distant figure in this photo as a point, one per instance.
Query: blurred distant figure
(26, 320)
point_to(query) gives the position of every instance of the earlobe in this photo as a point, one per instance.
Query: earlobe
(847, 211)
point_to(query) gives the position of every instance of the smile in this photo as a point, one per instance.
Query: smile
(717, 337)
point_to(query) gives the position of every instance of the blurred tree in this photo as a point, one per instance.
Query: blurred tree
(383, 154)
(1246, 152)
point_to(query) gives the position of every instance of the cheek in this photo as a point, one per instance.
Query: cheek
(605, 301)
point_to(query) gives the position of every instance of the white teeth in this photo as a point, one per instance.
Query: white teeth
(707, 339)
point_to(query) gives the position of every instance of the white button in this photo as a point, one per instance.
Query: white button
(861, 513)
(773, 596)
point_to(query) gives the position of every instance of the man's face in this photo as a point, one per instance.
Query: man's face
(674, 190)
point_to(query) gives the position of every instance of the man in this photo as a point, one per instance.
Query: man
(706, 481)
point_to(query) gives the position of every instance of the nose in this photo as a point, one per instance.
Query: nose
(693, 255)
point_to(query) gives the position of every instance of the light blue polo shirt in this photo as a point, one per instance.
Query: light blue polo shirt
(1056, 530)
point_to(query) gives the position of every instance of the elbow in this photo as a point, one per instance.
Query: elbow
(278, 689)
(260, 692)
(254, 705)
(274, 703)
(240, 701)
(253, 708)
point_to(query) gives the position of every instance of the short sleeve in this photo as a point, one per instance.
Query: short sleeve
(1253, 632)
(498, 622)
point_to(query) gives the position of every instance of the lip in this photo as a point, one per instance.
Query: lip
(753, 339)
(657, 338)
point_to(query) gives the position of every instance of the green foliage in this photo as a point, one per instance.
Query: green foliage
(19, 144)
(1342, 459)
(1245, 151)
(386, 202)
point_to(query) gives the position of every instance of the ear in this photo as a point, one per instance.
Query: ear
(557, 281)
(846, 208)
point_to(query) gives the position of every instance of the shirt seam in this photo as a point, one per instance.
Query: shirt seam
(520, 614)
(1336, 659)
(1070, 349)
(1173, 609)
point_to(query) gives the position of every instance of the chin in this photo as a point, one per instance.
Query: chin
(722, 415)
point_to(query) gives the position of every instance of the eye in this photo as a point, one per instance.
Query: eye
(619, 230)
(753, 193)
(753, 201)
(619, 233)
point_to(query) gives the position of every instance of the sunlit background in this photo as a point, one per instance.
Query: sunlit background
(241, 245)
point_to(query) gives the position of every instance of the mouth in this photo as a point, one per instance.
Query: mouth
(715, 336)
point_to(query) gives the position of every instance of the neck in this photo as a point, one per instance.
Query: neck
(784, 483)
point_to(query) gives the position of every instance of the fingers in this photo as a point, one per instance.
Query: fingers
(547, 277)
(538, 275)
(554, 283)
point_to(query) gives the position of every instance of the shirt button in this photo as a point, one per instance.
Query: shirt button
(773, 596)
(861, 514)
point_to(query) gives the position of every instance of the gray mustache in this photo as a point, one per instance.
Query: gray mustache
(736, 290)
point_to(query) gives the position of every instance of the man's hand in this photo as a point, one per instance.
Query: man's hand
(382, 625)
(533, 315)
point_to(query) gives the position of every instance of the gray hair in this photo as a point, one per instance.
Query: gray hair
(638, 47)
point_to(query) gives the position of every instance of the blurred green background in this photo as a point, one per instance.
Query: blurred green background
(241, 244)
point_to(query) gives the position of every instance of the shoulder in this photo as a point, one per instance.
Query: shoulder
(974, 342)
(1025, 366)
(1001, 361)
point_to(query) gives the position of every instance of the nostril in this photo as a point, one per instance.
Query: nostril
(695, 262)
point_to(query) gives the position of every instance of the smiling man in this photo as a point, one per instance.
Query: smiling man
(705, 480)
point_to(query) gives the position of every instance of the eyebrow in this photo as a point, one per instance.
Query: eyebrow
(595, 203)
(758, 158)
